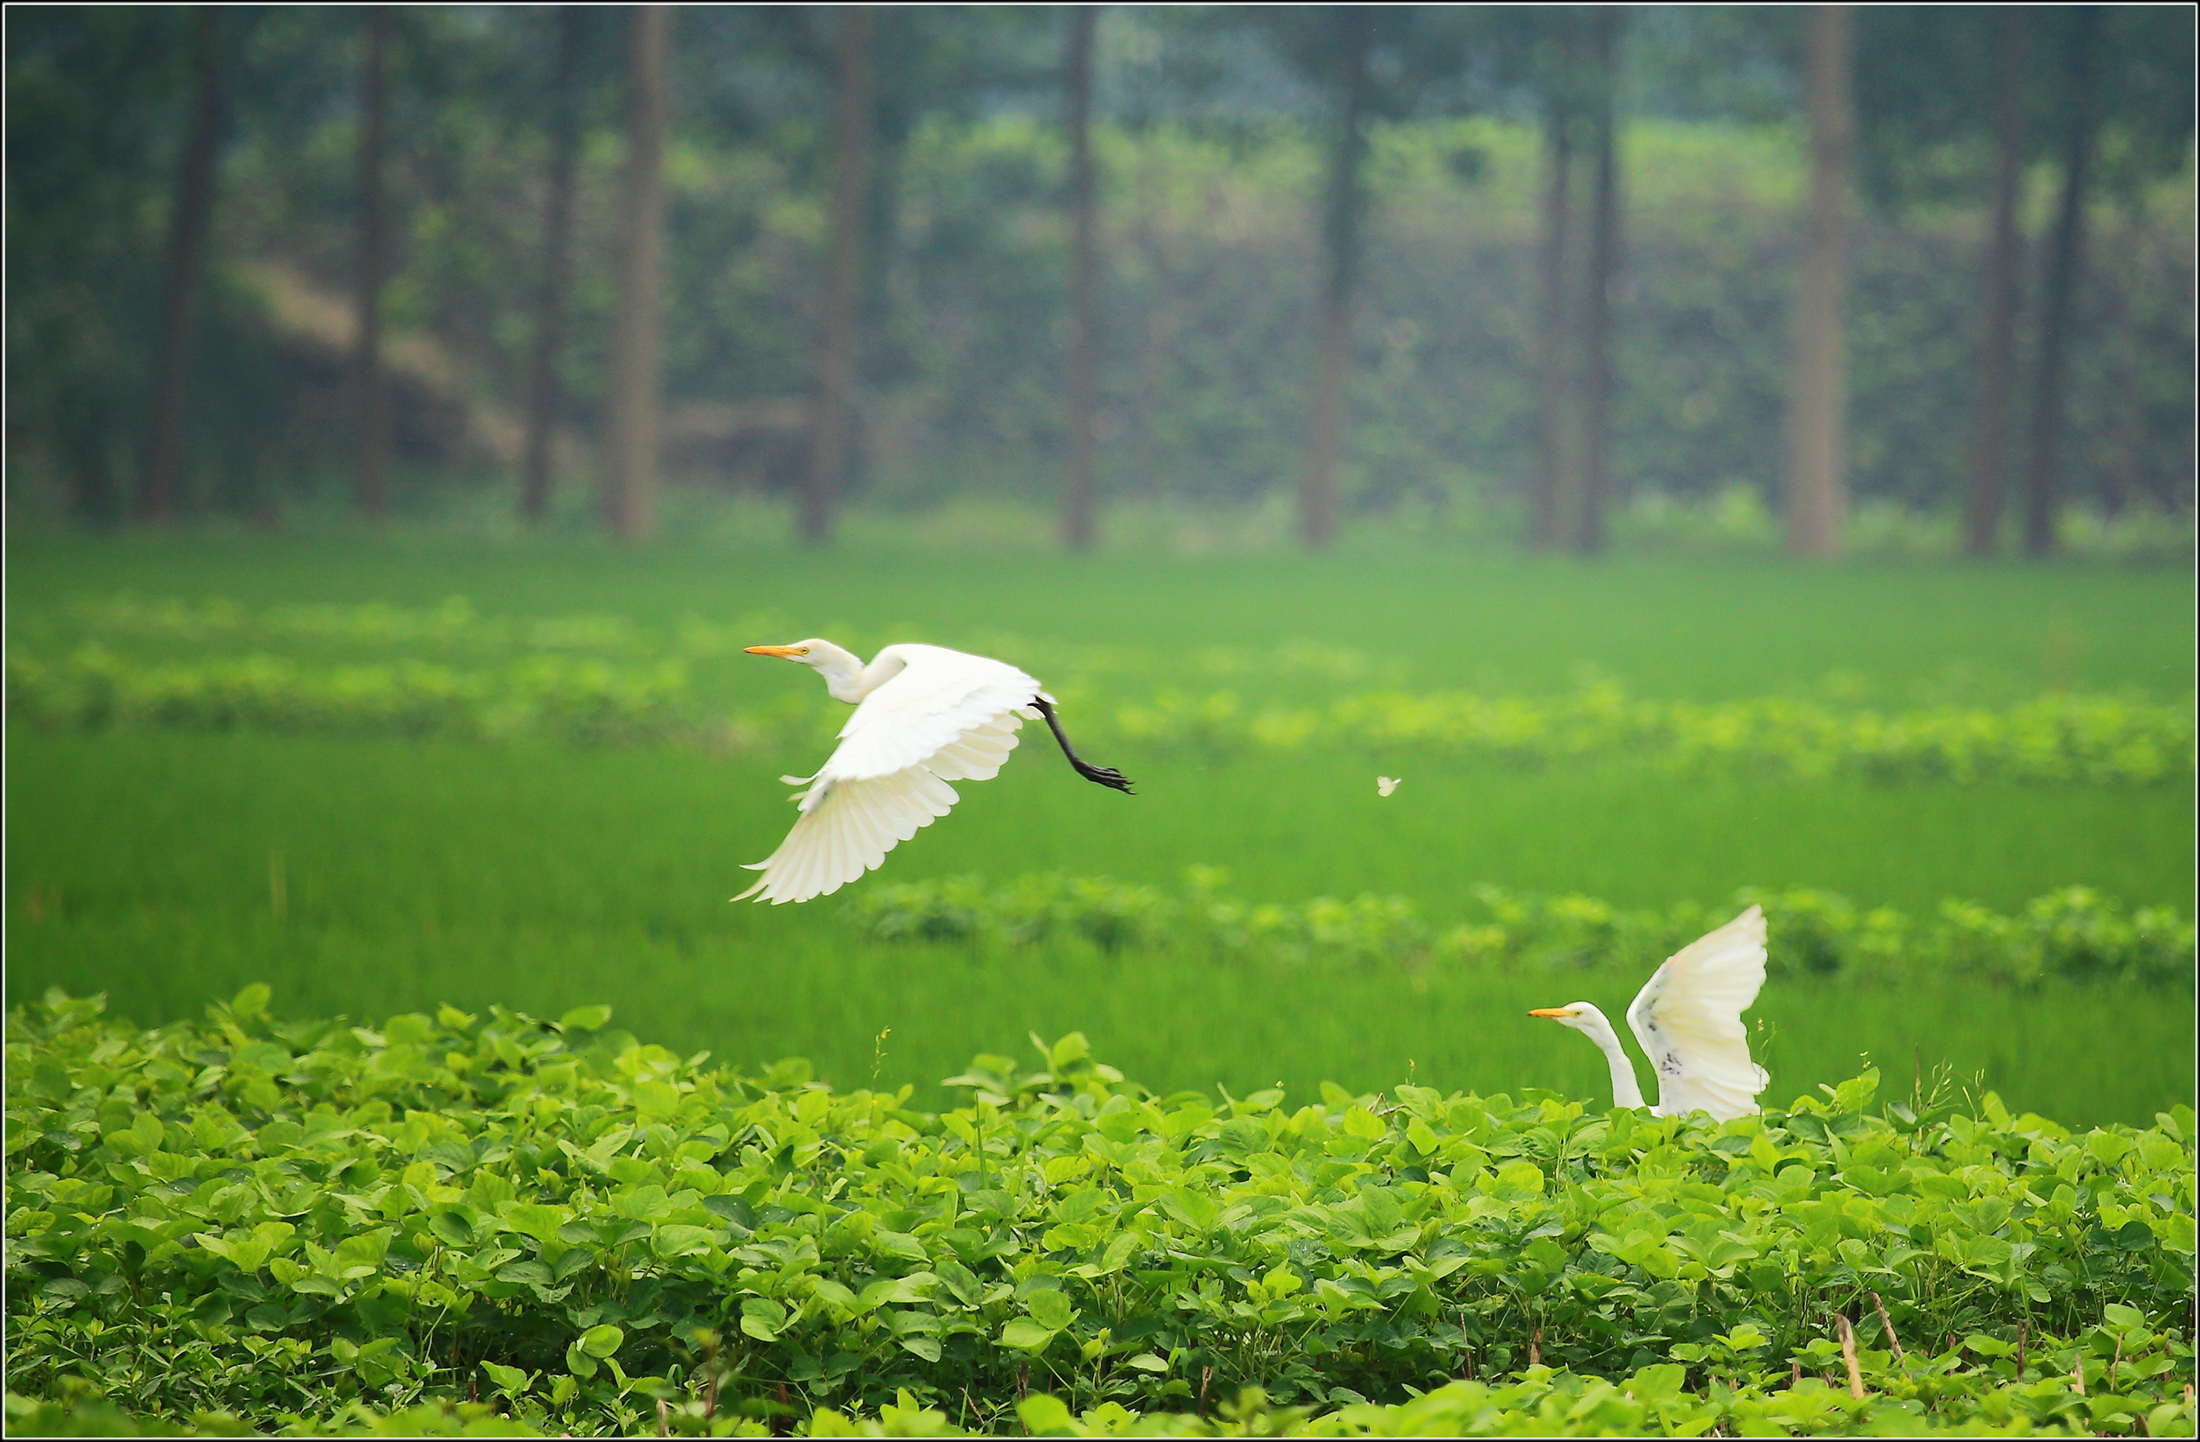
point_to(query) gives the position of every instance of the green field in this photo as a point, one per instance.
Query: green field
(370, 875)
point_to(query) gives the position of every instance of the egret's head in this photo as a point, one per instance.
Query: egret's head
(800, 651)
(1579, 1015)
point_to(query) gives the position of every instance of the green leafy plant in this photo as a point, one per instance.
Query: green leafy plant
(2074, 934)
(322, 1225)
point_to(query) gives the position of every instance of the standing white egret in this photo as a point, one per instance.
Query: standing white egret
(925, 716)
(1688, 1017)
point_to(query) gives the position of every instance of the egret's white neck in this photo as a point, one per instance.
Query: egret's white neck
(847, 678)
(1626, 1092)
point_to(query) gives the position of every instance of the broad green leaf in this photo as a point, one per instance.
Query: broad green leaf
(762, 1318)
(655, 1100)
(1195, 1209)
(960, 1281)
(1050, 1309)
(512, 1380)
(677, 1239)
(533, 1219)
(1025, 1335)
(1521, 1176)
(1044, 1415)
(526, 1273)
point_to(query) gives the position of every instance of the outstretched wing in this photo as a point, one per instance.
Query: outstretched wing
(1689, 1020)
(946, 716)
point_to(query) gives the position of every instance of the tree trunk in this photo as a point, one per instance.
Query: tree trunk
(630, 473)
(1997, 361)
(833, 413)
(557, 242)
(1333, 340)
(1155, 329)
(370, 461)
(187, 226)
(1596, 462)
(1817, 500)
(1551, 332)
(2066, 255)
(1078, 504)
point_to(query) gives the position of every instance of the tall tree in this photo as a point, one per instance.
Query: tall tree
(557, 244)
(1998, 346)
(833, 414)
(1596, 330)
(1341, 216)
(1817, 499)
(371, 453)
(1079, 495)
(630, 472)
(187, 226)
(1546, 483)
(2066, 254)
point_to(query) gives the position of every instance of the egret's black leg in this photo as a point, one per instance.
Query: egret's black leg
(1104, 775)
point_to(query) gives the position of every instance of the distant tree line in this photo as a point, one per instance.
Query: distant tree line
(246, 246)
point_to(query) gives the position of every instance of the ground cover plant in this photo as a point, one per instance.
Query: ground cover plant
(277, 1220)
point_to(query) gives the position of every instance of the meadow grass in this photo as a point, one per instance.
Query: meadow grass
(153, 866)
(369, 876)
(1990, 634)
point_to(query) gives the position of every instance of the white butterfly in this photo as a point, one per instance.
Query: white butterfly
(1384, 785)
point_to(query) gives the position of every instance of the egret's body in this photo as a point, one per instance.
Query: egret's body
(925, 716)
(1688, 1017)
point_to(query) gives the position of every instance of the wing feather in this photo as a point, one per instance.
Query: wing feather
(848, 832)
(979, 755)
(945, 716)
(1688, 1017)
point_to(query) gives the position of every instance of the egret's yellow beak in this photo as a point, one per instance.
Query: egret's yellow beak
(787, 652)
(1555, 1013)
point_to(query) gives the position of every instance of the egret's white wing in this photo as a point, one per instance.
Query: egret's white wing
(945, 716)
(1688, 1018)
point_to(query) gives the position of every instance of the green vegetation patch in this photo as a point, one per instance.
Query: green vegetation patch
(590, 700)
(449, 670)
(2074, 933)
(280, 1221)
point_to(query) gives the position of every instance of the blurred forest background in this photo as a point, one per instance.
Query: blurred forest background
(1561, 276)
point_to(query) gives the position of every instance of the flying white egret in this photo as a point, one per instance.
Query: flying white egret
(925, 716)
(1688, 1017)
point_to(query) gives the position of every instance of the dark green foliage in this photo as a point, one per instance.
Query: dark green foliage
(280, 1219)
(1209, 198)
(1925, 96)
